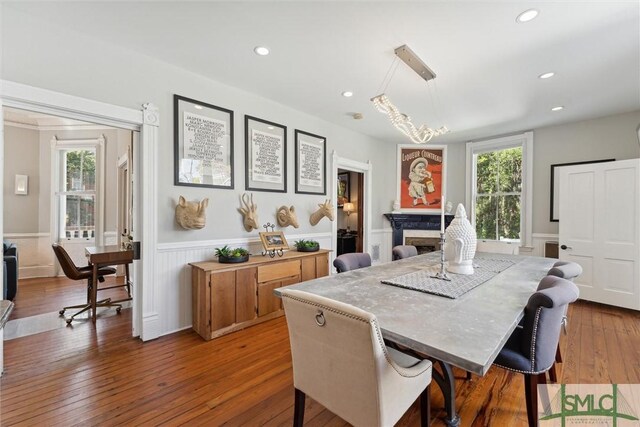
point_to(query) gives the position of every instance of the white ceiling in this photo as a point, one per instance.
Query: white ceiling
(486, 63)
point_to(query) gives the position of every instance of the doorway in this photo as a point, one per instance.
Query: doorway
(349, 237)
(72, 173)
(359, 220)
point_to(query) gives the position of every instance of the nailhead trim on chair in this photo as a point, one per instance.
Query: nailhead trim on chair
(533, 338)
(533, 346)
(402, 372)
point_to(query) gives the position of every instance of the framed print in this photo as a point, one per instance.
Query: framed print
(273, 240)
(554, 205)
(421, 177)
(343, 188)
(265, 146)
(203, 144)
(311, 163)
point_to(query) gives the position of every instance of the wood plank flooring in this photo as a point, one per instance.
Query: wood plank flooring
(50, 294)
(99, 375)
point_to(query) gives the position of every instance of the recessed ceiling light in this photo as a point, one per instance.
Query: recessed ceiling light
(546, 75)
(198, 107)
(527, 15)
(558, 108)
(261, 50)
(270, 127)
(347, 94)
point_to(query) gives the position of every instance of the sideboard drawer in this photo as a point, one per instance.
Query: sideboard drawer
(267, 273)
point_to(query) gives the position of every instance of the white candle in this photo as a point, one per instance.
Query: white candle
(442, 214)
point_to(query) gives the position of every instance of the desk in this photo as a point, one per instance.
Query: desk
(467, 332)
(100, 256)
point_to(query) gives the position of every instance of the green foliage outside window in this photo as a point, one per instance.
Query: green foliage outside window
(498, 193)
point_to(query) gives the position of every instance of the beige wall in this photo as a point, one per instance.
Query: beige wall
(603, 138)
(21, 157)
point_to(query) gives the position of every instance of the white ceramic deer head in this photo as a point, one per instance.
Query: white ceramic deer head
(249, 212)
(325, 209)
(287, 216)
(191, 215)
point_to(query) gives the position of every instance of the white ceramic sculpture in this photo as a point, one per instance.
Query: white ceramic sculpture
(460, 246)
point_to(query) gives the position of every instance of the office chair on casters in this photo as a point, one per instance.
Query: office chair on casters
(74, 272)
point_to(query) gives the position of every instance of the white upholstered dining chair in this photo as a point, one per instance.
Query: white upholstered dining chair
(340, 360)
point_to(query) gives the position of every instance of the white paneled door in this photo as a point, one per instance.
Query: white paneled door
(600, 229)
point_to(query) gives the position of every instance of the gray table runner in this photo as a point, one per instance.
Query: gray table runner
(484, 269)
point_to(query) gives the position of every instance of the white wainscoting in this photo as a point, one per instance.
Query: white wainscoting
(381, 245)
(539, 239)
(35, 256)
(173, 273)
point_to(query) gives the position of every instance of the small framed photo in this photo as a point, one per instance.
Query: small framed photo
(343, 188)
(266, 155)
(273, 240)
(203, 144)
(311, 163)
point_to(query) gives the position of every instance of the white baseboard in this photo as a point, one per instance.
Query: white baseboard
(35, 271)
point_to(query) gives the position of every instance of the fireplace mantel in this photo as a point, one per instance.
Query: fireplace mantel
(404, 221)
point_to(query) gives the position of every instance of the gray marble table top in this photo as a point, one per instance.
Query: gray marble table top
(467, 332)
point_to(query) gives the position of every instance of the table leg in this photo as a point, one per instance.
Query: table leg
(446, 383)
(94, 291)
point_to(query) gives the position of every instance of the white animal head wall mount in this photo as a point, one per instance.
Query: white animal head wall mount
(191, 215)
(249, 212)
(287, 216)
(324, 209)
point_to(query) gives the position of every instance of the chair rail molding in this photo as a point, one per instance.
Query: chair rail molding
(146, 315)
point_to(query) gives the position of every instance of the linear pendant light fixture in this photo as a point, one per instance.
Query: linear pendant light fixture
(401, 121)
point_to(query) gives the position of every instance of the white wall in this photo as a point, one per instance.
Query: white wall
(41, 54)
(21, 154)
(613, 137)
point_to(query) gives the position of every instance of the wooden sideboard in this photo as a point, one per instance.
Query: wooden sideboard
(229, 297)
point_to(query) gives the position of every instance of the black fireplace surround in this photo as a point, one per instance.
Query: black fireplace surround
(400, 222)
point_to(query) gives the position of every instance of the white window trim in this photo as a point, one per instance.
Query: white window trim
(57, 146)
(524, 140)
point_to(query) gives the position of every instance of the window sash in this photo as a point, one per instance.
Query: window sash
(525, 141)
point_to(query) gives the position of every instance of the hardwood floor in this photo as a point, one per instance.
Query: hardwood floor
(50, 294)
(101, 376)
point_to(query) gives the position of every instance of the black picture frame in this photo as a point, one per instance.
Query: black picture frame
(189, 170)
(554, 189)
(343, 197)
(311, 142)
(275, 130)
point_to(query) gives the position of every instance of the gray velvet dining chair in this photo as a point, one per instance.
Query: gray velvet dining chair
(403, 251)
(340, 361)
(530, 350)
(352, 261)
(567, 270)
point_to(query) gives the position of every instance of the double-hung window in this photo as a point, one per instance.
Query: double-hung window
(78, 176)
(499, 188)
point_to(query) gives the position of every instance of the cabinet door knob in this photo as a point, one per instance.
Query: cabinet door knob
(565, 247)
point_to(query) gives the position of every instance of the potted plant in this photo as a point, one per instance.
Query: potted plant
(226, 255)
(303, 245)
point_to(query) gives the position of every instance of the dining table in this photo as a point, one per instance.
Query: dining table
(466, 331)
